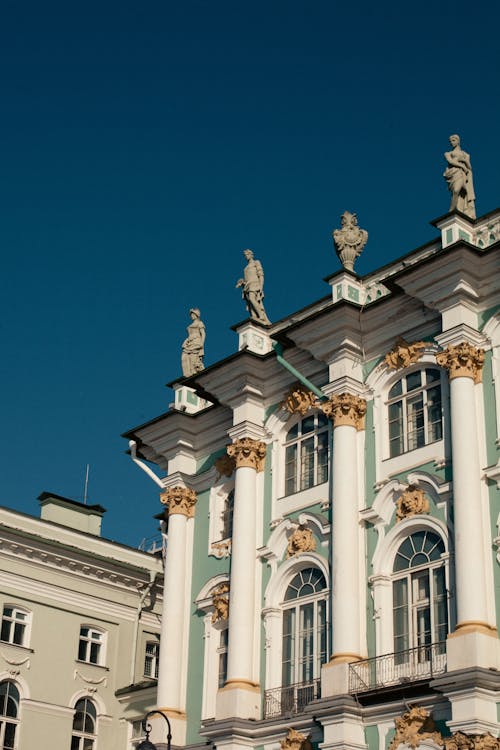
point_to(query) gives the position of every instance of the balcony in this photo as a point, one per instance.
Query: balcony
(290, 700)
(412, 665)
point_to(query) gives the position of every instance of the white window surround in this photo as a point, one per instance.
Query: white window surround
(380, 381)
(382, 577)
(211, 639)
(278, 425)
(92, 646)
(219, 493)
(273, 614)
(83, 734)
(492, 331)
(16, 625)
(10, 715)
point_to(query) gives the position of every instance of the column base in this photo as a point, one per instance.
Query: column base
(238, 698)
(159, 728)
(473, 644)
(335, 675)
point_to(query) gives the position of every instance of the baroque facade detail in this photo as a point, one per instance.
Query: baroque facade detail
(461, 741)
(299, 400)
(225, 465)
(247, 452)
(412, 502)
(462, 361)
(404, 354)
(179, 500)
(350, 240)
(414, 726)
(302, 540)
(293, 741)
(220, 602)
(346, 409)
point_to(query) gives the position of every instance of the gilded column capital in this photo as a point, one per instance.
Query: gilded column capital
(404, 354)
(180, 500)
(346, 409)
(248, 452)
(462, 361)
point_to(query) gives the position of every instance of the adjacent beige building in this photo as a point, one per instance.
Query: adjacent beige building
(79, 641)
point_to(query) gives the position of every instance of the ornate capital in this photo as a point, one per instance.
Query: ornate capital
(293, 741)
(414, 726)
(462, 361)
(346, 409)
(220, 603)
(179, 500)
(461, 741)
(248, 452)
(412, 502)
(404, 354)
(302, 540)
(225, 465)
(299, 400)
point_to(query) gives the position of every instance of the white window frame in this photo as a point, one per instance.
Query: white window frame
(82, 735)
(299, 442)
(218, 544)
(405, 398)
(212, 647)
(14, 620)
(153, 658)
(90, 640)
(15, 720)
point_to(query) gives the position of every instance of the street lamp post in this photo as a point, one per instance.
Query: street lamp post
(146, 744)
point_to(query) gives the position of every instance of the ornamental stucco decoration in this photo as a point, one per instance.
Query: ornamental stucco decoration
(220, 602)
(299, 400)
(412, 502)
(404, 354)
(414, 726)
(302, 540)
(345, 409)
(180, 500)
(462, 361)
(350, 240)
(461, 741)
(225, 465)
(248, 452)
(221, 549)
(293, 741)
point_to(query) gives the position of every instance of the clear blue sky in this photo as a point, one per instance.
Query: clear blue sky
(146, 144)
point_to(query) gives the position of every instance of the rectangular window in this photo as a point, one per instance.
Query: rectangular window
(14, 622)
(288, 659)
(396, 428)
(400, 619)
(291, 469)
(223, 644)
(307, 463)
(90, 645)
(151, 659)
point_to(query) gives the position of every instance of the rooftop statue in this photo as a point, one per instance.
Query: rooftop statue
(193, 348)
(458, 175)
(252, 285)
(350, 240)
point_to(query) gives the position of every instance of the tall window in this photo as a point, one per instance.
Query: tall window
(415, 416)
(14, 625)
(420, 607)
(151, 659)
(227, 516)
(84, 725)
(304, 627)
(90, 645)
(9, 713)
(222, 653)
(306, 453)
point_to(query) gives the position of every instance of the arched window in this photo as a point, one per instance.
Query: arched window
(9, 714)
(306, 453)
(84, 725)
(420, 607)
(415, 414)
(304, 628)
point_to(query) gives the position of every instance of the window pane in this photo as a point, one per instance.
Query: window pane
(322, 467)
(396, 428)
(440, 605)
(94, 652)
(432, 375)
(308, 424)
(400, 615)
(293, 432)
(75, 743)
(10, 736)
(306, 641)
(415, 422)
(288, 656)
(396, 390)
(291, 469)
(413, 380)
(82, 651)
(5, 634)
(322, 420)
(307, 463)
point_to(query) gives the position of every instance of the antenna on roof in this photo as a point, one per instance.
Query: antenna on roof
(86, 485)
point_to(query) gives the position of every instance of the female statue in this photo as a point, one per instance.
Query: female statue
(458, 175)
(193, 348)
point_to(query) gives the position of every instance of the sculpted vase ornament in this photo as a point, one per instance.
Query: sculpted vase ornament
(248, 452)
(350, 240)
(180, 500)
(345, 409)
(462, 361)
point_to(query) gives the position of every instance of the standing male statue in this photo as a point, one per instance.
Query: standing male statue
(458, 175)
(252, 285)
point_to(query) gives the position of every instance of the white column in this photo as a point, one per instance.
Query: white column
(180, 502)
(241, 694)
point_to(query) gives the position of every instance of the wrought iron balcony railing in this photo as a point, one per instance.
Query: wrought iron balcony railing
(420, 663)
(290, 700)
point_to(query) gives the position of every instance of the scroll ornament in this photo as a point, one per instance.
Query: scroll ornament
(225, 465)
(411, 503)
(346, 409)
(248, 452)
(293, 741)
(417, 725)
(302, 540)
(299, 400)
(220, 603)
(462, 361)
(180, 500)
(404, 354)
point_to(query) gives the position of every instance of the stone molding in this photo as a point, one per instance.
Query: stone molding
(299, 400)
(293, 741)
(220, 603)
(411, 502)
(404, 354)
(417, 725)
(248, 452)
(345, 409)
(462, 361)
(302, 540)
(224, 465)
(179, 500)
